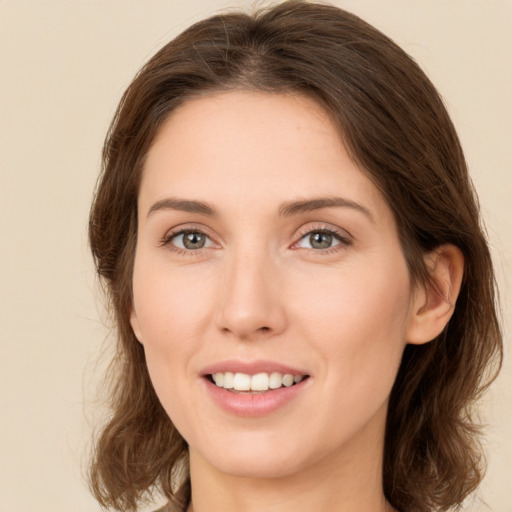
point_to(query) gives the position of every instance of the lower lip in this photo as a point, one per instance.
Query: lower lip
(258, 404)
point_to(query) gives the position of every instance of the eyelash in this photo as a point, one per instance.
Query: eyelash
(168, 238)
(342, 237)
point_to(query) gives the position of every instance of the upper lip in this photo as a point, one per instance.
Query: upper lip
(251, 367)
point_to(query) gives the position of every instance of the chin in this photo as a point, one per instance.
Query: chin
(259, 468)
(253, 457)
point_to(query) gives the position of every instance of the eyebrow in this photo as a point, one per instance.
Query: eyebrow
(317, 203)
(287, 209)
(184, 205)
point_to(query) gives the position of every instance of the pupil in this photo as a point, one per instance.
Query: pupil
(320, 240)
(193, 240)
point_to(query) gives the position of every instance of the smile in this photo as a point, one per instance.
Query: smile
(258, 383)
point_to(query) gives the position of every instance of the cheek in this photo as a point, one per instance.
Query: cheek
(356, 329)
(171, 313)
(169, 324)
(170, 305)
(357, 320)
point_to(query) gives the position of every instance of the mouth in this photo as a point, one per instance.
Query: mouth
(258, 383)
(255, 388)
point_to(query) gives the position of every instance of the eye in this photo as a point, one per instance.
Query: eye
(189, 240)
(322, 239)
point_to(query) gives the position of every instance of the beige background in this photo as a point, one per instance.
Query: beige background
(63, 67)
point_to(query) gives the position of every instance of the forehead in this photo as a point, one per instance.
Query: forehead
(252, 148)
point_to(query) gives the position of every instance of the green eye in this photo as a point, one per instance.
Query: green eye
(190, 240)
(322, 239)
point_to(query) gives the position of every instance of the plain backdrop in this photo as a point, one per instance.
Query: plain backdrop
(63, 67)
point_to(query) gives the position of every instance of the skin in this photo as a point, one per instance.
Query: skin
(259, 289)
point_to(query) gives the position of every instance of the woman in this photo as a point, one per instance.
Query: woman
(303, 293)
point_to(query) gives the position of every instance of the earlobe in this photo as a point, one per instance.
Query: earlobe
(134, 322)
(434, 302)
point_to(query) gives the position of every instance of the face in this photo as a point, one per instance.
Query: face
(265, 257)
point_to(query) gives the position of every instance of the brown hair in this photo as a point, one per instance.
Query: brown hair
(396, 128)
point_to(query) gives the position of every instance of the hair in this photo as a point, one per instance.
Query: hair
(396, 128)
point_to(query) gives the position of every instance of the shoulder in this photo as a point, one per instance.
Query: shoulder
(171, 507)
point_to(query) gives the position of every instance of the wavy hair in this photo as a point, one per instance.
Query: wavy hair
(396, 128)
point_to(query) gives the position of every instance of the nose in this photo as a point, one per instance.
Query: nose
(251, 305)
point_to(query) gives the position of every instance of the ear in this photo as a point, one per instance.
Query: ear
(434, 302)
(134, 322)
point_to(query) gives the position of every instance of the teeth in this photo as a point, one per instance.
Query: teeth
(219, 379)
(287, 380)
(275, 380)
(228, 380)
(257, 382)
(242, 382)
